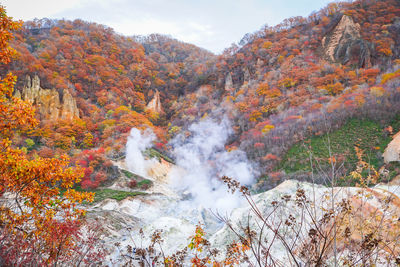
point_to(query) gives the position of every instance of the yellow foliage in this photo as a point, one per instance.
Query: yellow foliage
(334, 88)
(360, 100)
(267, 128)
(266, 45)
(174, 130)
(230, 98)
(390, 76)
(287, 82)
(255, 115)
(377, 91)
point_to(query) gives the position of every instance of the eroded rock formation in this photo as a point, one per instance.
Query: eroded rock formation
(392, 151)
(47, 101)
(228, 82)
(345, 45)
(155, 104)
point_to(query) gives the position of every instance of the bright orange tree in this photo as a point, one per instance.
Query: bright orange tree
(38, 224)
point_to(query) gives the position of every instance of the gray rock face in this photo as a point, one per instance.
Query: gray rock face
(345, 45)
(246, 75)
(228, 82)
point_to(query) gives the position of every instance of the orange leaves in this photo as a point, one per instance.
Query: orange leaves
(286, 82)
(255, 115)
(370, 73)
(270, 157)
(199, 244)
(360, 100)
(35, 186)
(14, 112)
(262, 88)
(37, 180)
(316, 106)
(334, 88)
(197, 240)
(7, 26)
(32, 186)
(274, 92)
(236, 251)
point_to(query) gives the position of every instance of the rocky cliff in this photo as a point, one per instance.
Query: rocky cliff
(392, 151)
(48, 102)
(345, 45)
(228, 82)
(155, 104)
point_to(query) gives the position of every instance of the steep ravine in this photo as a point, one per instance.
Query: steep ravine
(176, 212)
(177, 217)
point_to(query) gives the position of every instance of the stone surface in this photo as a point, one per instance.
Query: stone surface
(178, 218)
(392, 151)
(47, 101)
(48, 104)
(345, 45)
(155, 104)
(246, 75)
(69, 109)
(228, 82)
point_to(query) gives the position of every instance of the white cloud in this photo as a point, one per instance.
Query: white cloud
(28, 10)
(211, 24)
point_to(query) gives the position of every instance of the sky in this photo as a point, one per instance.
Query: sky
(210, 24)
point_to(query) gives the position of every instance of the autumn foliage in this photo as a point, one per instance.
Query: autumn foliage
(39, 223)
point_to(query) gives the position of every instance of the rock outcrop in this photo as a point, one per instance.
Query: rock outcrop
(155, 104)
(69, 109)
(177, 218)
(246, 75)
(47, 101)
(345, 45)
(228, 82)
(392, 151)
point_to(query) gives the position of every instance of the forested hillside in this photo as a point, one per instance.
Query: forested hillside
(305, 77)
(110, 77)
(280, 85)
(158, 133)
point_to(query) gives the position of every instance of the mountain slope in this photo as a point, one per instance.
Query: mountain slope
(303, 77)
(307, 76)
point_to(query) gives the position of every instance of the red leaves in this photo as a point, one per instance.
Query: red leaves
(259, 145)
(96, 167)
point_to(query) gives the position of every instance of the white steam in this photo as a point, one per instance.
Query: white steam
(136, 145)
(202, 160)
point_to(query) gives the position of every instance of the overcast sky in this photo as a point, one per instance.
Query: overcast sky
(211, 24)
